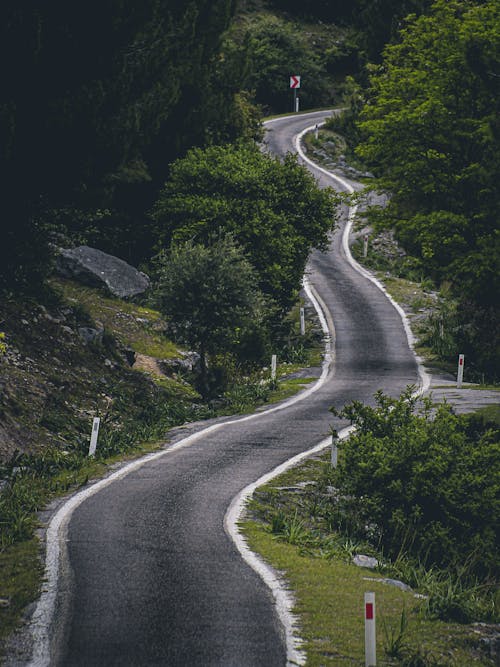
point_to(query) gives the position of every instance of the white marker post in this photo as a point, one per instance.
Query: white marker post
(316, 131)
(460, 373)
(273, 367)
(335, 451)
(370, 645)
(302, 322)
(297, 104)
(365, 245)
(93, 437)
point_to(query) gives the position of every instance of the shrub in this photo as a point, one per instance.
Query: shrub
(428, 479)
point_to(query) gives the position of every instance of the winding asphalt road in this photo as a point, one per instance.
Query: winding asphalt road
(149, 575)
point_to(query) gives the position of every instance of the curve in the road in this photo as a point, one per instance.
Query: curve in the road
(43, 616)
(424, 376)
(279, 588)
(150, 577)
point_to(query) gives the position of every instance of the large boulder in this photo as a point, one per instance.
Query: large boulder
(98, 269)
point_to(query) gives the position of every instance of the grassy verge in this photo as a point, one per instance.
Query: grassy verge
(329, 589)
(20, 583)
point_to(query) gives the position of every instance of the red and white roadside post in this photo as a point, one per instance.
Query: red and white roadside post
(370, 640)
(460, 373)
(295, 85)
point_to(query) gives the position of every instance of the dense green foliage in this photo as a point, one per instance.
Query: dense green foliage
(273, 208)
(208, 294)
(432, 135)
(96, 100)
(424, 484)
(374, 22)
(278, 49)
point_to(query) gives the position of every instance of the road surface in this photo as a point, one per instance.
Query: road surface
(150, 576)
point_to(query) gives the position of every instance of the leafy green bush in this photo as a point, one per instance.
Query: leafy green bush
(209, 296)
(428, 479)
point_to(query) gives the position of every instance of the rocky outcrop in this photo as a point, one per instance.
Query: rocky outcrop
(98, 269)
(186, 363)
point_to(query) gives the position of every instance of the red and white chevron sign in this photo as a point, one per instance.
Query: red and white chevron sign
(295, 82)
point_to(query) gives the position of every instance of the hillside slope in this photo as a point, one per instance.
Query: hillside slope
(76, 354)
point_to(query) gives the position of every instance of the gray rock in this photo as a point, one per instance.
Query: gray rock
(489, 638)
(365, 561)
(391, 582)
(186, 363)
(90, 335)
(96, 268)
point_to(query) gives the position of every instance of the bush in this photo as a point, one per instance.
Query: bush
(428, 479)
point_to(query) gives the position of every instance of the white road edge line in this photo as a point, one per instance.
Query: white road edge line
(424, 376)
(43, 616)
(283, 598)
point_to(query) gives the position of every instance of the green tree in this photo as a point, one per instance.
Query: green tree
(209, 296)
(95, 101)
(278, 50)
(432, 135)
(274, 209)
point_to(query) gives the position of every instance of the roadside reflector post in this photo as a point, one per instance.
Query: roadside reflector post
(335, 451)
(316, 130)
(365, 245)
(273, 367)
(295, 85)
(370, 646)
(302, 322)
(93, 437)
(460, 373)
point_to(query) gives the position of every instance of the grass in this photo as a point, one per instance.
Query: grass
(21, 568)
(329, 590)
(287, 388)
(490, 413)
(329, 602)
(133, 325)
(20, 582)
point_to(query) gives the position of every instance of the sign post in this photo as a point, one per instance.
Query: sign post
(295, 85)
(460, 373)
(370, 645)
(93, 437)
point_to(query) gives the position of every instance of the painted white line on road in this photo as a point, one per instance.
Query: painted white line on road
(43, 617)
(297, 115)
(283, 598)
(424, 376)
